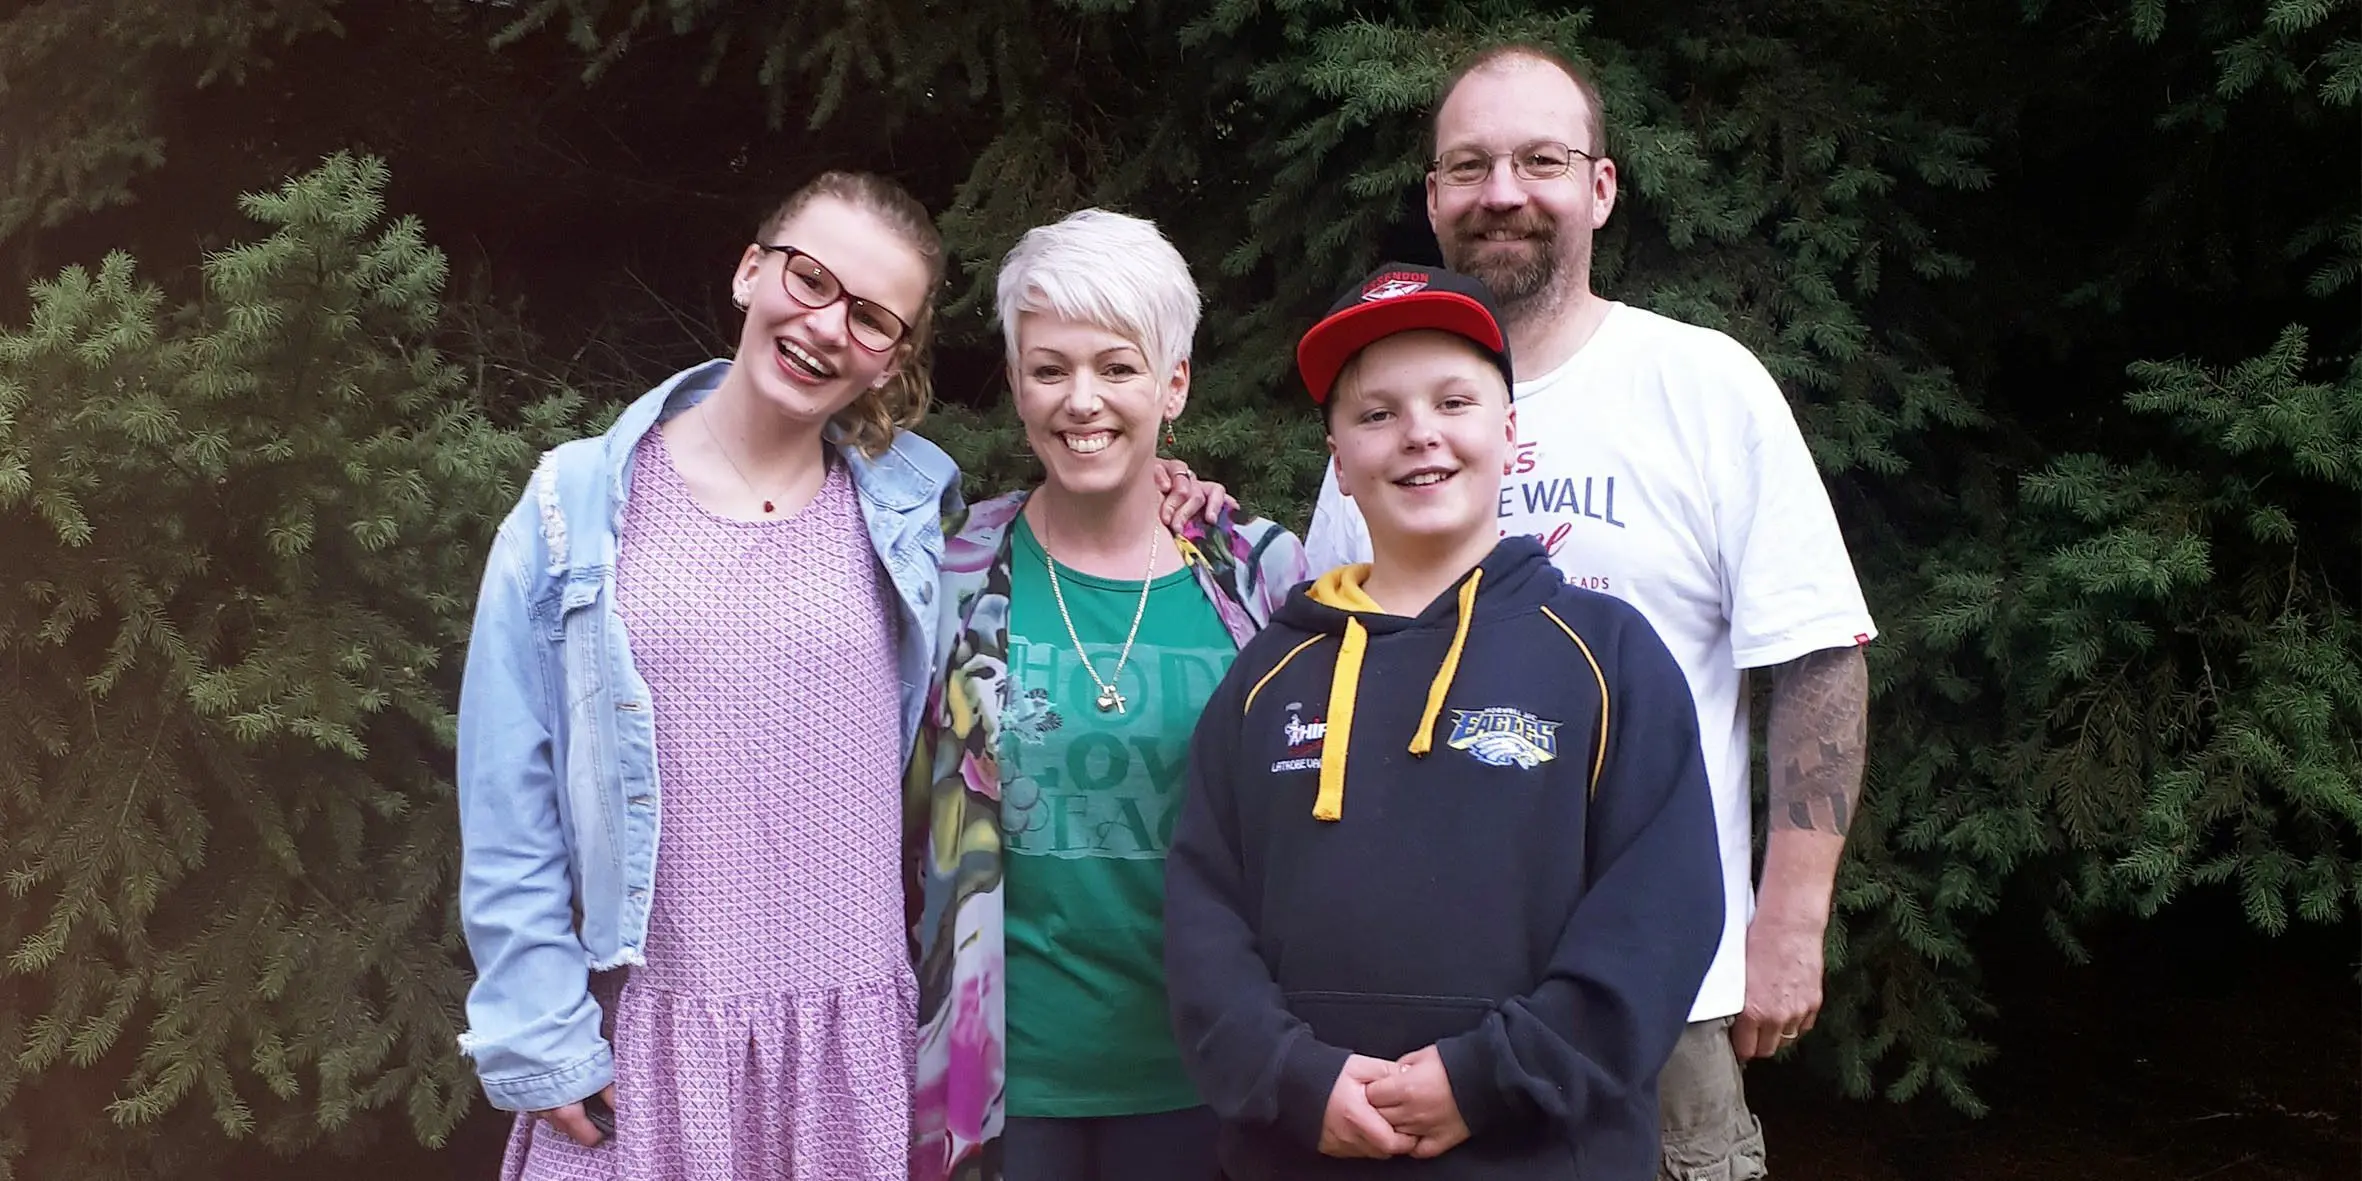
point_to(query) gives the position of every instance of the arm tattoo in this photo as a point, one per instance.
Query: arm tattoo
(1819, 737)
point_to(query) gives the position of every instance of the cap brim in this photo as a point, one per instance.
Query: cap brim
(1332, 342)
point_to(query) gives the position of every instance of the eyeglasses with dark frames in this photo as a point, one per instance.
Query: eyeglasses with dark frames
(809, 282)
(1540, 160)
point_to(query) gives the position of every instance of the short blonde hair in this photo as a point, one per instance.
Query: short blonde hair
(1108, 269)
(872, 420)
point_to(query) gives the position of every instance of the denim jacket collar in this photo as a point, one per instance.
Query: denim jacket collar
(911, 472)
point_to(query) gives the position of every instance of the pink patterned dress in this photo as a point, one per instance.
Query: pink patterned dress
(771, 1032)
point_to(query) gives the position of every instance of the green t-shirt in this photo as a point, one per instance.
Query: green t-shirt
(1088, 801)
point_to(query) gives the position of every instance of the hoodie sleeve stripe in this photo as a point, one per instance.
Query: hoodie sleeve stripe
(1283, 663)
(1599, 756)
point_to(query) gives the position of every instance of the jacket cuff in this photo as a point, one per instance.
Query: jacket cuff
(543, 1090)
(1468, 1065)
(1307, 1076)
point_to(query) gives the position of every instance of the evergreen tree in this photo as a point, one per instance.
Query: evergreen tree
(244, 532)
(85, 81)
(2062, 298)
(2136, 668)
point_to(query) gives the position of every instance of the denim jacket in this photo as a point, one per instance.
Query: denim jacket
(556, 770)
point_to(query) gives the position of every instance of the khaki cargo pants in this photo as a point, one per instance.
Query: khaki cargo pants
(1709, 1134)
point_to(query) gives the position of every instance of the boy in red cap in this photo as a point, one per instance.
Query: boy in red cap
(1445, 881)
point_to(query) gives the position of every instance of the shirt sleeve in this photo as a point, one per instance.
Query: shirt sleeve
(1338, 536)
(1789, 587)
(533, 1027)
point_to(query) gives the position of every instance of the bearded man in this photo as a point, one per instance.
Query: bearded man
(1659, 462)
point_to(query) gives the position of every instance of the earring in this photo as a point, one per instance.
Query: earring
(738, 300)
(1170, 441)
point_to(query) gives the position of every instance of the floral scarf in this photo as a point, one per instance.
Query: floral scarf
(952, 812)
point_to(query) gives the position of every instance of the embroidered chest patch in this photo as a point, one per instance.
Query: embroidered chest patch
(1504, 737)
(1302, 741)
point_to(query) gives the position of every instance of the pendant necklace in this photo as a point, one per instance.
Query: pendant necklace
(1110, 701)
(768, 507)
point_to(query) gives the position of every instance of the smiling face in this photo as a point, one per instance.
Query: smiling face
(1419, 430)
(1091, 403)
(1530, 241)
(805, 362)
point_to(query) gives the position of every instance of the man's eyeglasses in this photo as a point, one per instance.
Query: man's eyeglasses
(815, 286)
(1541, 160)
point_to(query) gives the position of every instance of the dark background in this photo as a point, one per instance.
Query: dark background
(592, 227)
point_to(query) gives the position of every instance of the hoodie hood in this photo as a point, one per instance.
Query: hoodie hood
(1516, 576)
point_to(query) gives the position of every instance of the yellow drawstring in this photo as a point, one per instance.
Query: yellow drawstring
(1424, 740)
(1341, 588)
(1343, 683)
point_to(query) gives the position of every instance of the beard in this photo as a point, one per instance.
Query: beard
(1523, 273)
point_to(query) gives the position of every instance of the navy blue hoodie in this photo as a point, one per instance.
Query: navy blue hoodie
(1487, 829)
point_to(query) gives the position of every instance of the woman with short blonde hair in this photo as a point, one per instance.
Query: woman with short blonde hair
(1084, 637)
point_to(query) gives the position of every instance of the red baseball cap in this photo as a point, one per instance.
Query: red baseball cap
(1400, 297)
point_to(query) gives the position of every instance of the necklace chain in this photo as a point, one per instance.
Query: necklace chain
(1109, 699)
(768, 505)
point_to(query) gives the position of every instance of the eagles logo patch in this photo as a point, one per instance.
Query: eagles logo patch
(1504, 737)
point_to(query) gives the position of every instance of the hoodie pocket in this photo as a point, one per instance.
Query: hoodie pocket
(1386, 1025)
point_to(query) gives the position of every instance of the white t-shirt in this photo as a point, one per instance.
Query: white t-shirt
(1662, 465)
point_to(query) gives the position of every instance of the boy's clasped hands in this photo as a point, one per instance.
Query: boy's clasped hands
(1380, 1109)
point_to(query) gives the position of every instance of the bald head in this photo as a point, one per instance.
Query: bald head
(1539, 74)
